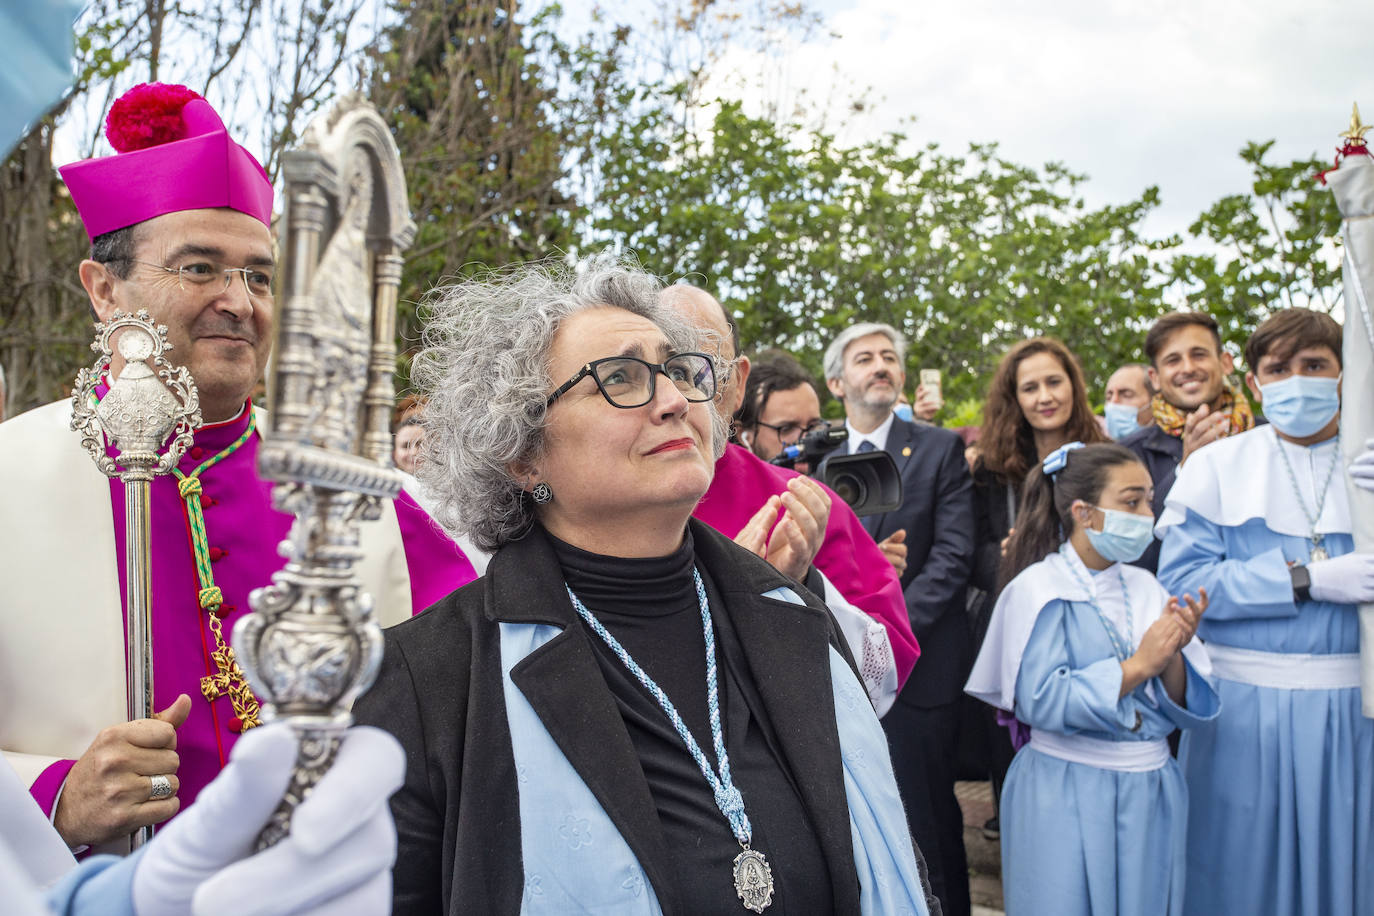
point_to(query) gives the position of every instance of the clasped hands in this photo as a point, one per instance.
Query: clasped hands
(789, 543)
(1203, 427)
(1160, 647)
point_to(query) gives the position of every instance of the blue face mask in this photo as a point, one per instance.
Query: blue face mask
(1124, 535)
(1121, 420)
(1301, 405)
(904, 412)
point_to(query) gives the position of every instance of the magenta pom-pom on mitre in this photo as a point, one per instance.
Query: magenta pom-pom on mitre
(147, 115)
(172, 153)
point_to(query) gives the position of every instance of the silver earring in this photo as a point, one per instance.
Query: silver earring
(542, 493)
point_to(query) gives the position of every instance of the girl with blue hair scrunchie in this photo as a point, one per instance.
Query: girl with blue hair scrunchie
(1101, 664)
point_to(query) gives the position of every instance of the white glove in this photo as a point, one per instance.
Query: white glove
(337, 858)
(1362, 468)
(1343, 580)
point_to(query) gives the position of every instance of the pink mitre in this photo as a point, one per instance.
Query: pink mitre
(172, 153)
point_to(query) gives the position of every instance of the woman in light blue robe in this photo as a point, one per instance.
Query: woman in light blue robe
(1094, 810)
(1282, 783)
(1120, 833)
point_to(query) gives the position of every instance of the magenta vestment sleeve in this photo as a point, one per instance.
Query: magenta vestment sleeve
(848, 557)
(49, 782)
(436, 564)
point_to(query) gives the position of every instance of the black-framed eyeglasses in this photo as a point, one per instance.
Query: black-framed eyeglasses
(627, 381)
(206, 275)
(791, 433)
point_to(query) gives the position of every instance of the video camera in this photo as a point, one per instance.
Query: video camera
(869, 482)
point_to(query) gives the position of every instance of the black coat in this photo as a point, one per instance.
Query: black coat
(995, 504)
(440, 693)
(937, 514)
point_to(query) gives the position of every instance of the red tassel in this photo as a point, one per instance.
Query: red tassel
(1351, 148)
(147, 115)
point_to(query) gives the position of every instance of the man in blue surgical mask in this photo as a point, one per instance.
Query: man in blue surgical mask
(1128, 400)
(1262, 521)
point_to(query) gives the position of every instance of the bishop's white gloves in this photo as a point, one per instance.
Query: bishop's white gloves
(1343, 580)
(1362, 468)
(337, 858)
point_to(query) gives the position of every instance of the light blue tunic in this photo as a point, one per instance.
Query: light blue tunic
(1079, 839)
(1282, 783)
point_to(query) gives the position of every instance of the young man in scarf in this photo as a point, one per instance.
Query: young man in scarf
(1196, 402)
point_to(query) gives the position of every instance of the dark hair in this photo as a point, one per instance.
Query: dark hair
(773, 371)
(1007, 445)
(116, 250)
(1165, 326)
(412, 420)
(1044, 521)
(1284, 333)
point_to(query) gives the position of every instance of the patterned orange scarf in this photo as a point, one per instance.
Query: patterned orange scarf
(1171, 418)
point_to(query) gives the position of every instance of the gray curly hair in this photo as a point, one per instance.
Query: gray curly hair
(484, 370)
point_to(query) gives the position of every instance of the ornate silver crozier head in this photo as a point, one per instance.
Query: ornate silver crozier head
(312, 646)
(148, 401)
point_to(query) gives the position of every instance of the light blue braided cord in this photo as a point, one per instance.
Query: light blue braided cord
(1312, 519)
(727, 797)
(1117, 642)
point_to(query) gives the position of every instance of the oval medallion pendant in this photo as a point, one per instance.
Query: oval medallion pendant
(1318, 554)
(753, 880)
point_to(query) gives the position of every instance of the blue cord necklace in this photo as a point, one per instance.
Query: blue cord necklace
(753, 874)
(1120, 646)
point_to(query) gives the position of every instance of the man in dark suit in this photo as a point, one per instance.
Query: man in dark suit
(864, 369)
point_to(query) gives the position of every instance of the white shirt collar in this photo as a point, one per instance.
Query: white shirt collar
(878, 437)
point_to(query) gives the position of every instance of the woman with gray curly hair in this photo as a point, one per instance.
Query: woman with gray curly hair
(628, 713)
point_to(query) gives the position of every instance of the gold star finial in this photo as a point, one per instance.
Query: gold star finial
(1355, 134)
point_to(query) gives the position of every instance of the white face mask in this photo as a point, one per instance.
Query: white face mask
(1124, 536)
(1301, 405)
(1122, 420)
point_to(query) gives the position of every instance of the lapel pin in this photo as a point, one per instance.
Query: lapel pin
(906, 452)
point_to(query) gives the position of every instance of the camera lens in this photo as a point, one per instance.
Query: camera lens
(849, 488)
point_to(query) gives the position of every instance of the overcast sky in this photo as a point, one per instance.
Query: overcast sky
(1130, 93)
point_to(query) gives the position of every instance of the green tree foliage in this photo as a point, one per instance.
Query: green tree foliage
(1274, 248)
(802, 236)
(473, 98)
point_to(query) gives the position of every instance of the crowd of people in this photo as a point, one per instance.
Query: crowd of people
(640, 660)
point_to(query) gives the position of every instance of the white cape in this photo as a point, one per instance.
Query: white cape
(993, 679)
(1243, 477)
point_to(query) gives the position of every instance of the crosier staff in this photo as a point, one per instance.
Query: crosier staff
(1352, 181)
(312, 643)
(149, 401)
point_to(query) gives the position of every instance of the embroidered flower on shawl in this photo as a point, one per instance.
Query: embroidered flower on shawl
(576, 832)
(634, 884)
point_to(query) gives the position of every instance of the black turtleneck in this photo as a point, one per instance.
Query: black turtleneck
(650, 606)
